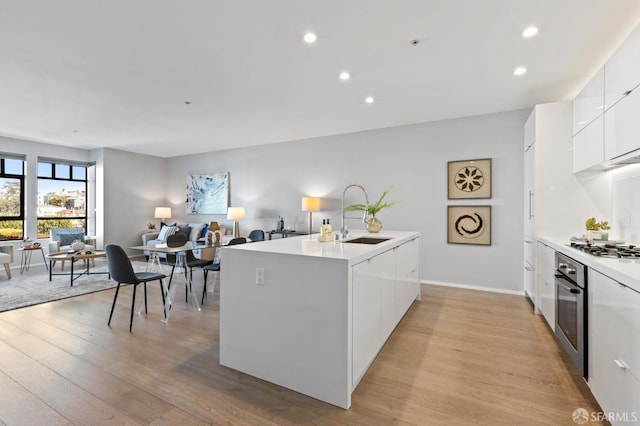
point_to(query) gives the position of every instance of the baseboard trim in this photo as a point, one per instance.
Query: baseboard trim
(472, 287)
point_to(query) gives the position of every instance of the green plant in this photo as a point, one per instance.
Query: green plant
(373, 208)
(593, 225)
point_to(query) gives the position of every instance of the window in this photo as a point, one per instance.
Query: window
(62, 196)
(11, 198)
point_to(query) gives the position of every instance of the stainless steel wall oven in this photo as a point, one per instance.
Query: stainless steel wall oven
(571, 309)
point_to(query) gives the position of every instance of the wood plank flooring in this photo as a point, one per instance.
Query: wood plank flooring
(458, 357)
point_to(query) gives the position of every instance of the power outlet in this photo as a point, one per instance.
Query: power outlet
(260, 276)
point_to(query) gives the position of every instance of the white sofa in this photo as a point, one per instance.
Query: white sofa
(193, 232)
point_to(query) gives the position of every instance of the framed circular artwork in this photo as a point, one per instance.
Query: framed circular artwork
(469, 225)
(468, 179)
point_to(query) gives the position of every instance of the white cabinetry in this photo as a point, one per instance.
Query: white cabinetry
(622, 126)
(614, 344)
(529, 199)
(547, 180)
(605, 124)
(407, 276)
(546, 283)
(588, 146)
(622, 73)
(384, 287)
(373, 300)
(589, 103)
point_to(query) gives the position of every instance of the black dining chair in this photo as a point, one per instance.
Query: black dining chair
(215, 267)
(178, 240)
(256, 235)
(121, 270)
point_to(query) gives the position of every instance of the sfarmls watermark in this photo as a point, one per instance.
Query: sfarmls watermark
(582, 416)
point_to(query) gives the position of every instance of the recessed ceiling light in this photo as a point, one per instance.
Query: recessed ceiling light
(310, 38)
(369, 99)
(530, 32)
(345, 75)
(519, 71)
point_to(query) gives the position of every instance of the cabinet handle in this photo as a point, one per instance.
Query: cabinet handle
(528, 268)
(627, 93)
(530, 205)
(620, 364)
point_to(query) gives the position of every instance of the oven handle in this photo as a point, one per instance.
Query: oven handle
(572, 289)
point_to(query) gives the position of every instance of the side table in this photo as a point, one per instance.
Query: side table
(25, 257)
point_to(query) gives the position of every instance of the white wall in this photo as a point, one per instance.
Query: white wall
(130, 186)
(625, 217)
(270, 180)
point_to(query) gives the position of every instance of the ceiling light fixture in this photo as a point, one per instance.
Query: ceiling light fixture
(519, 71)
(369, 99)
(345, 76)
(530, 32)
(310, 38)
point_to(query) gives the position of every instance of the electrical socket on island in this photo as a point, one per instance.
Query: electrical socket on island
(260, 276)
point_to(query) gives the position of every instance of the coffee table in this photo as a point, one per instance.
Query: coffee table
(72, 257)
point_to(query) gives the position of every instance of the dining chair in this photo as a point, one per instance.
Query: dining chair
(215, 267)
(121, 270)
(178, 240)
(256, 235)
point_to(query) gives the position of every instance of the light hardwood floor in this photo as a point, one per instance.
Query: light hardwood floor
(458, 357)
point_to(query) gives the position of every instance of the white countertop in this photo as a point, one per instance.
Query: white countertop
(308, 245)
(624, 271)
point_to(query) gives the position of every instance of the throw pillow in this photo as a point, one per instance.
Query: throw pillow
(166, 231)
(205, 228)
(67, 239)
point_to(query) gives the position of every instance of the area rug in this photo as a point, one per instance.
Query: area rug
(33, 287)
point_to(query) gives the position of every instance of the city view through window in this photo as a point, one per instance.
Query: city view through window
(61, 204)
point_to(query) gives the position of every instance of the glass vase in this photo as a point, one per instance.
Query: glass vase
(374, 225)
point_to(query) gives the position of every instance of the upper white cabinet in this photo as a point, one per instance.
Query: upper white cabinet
(589, 103)
(622, 73)
(588, 146)
(605, 124)
(622, 126)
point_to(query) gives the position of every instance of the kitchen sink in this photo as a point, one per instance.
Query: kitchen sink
(367, 240)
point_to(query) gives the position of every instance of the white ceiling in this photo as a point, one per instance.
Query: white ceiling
(117, 73)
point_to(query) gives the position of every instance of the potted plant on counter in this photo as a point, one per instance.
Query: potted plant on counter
(597, 230)
(373, 223)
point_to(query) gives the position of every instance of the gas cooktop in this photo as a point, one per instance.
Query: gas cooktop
(608, 249)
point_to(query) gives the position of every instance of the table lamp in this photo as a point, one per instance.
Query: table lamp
(163, 213)
(310, 204)
(235, 214)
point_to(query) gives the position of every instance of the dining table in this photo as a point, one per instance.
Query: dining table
(155, 265)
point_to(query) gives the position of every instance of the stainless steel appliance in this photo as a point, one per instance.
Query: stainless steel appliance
(608, 249)
(571, 309)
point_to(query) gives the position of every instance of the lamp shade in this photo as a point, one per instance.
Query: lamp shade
(310, 204)
(235, 213)
(163, 212)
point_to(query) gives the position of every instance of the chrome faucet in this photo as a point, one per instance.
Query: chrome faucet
(343, 229)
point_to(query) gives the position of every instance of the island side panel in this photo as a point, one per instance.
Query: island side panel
(294, 330)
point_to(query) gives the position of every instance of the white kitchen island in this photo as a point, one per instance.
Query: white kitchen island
(312, 316)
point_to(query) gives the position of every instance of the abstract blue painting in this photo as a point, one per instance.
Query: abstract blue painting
(208, 194)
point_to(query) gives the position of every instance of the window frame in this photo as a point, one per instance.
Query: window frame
(21, 179)
(53, 177)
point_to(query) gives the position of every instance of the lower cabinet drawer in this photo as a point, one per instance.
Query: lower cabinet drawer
(615, 388)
